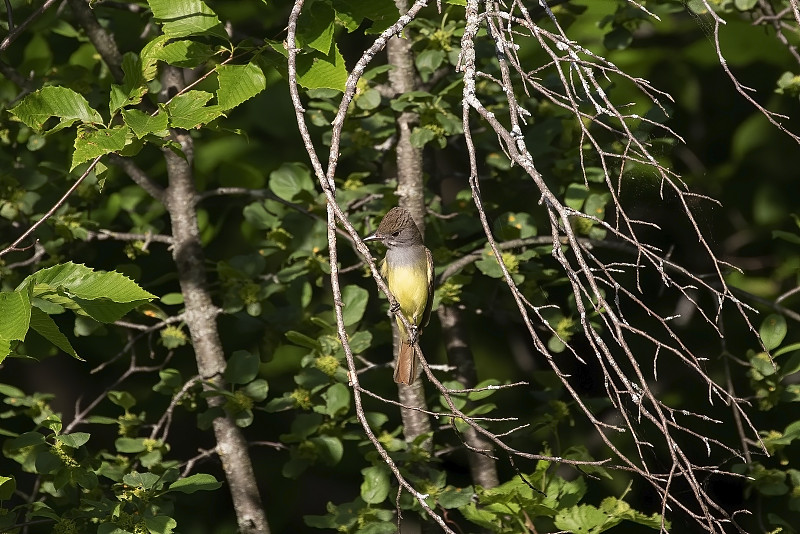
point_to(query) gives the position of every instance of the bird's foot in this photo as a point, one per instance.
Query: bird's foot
(413, 336)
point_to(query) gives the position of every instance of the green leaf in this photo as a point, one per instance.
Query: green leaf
(143, 123)
(104, 296)
(5, 348)
(122, 399)
(375, 487)
(596, 205)
(160, 524)
(355, 300)
(133, 87)
(257, 389)
(238, 83)
(351, 13)
(141, 480)
(188, 111)
(74, 440)
(575, 195)
(369, 99)
(583, 518)
(15, 311)
(428, 61)
(27, 439)
(745, 5)
(242, 367)
(65, 104)
(315, 27)
(181, 18)
(337, 400)
(92, 142)
(289, 180)
(198, 482)
(772, 331)
(186, 54)
(47, 328)
(130, 445)
(330, 449)
(302, 340)
(453, 497)
(318, 70)
(360, 341)
(420, 136)
(7, 487)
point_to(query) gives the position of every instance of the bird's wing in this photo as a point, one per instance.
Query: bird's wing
(429, 303)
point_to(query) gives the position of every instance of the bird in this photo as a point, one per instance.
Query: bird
(408, 270)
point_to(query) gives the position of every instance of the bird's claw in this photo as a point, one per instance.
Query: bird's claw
(413, 335)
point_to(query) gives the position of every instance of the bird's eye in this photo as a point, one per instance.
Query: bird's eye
(396, 234)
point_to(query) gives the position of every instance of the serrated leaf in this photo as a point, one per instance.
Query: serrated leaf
(143, 123)
(44, 325)
(36, 108)
(5, 348)
(186, 54)
(193, 483)
(103, 295)
(189, 110)
(238, 83)
(181, 18)
(351, 13)
(133, 86)
(318, 70)
(15, 311)
(315, 27)
(92, 142)
(150, 55)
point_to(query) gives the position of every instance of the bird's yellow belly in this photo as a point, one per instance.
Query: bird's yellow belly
(409, 286)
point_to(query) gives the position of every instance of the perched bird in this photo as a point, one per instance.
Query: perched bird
(408, 270)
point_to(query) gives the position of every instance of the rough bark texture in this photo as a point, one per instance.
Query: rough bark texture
(483, 467)
(410, 191)
(200, 316)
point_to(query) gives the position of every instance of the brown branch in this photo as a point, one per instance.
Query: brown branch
(102, 41)
(139, 177)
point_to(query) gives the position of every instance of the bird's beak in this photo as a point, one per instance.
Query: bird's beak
(373, 237)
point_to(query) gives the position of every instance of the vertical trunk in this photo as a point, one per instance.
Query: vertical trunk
(483, 467)
(412, 198)
(201, 315)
